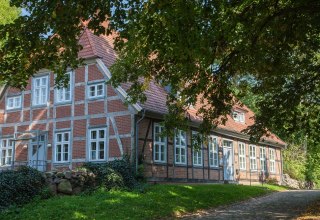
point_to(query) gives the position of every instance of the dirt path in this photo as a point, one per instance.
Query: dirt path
(281, 205)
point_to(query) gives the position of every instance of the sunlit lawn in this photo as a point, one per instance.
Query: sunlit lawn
(158, 201)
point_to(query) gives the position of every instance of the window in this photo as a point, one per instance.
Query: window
(97, 144)
(197, 150)
(159, 144)
(62, 146)
(64, 94)
(242, 156)
(238, 116)
(253, 158)
(13, 102)
(272, 160)
(213, 151)
(6, 152)
(180, 147)
(263, 164)
(40, 90)
(96, 90)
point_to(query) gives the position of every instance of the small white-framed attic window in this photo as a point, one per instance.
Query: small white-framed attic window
(13, 102)
(238, 116)
(96, 90)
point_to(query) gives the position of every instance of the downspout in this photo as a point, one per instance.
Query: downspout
(281, 161)
(137, 138)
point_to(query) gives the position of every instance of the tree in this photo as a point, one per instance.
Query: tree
(201, 48)
(7, 14)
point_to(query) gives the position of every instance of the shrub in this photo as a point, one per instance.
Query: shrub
(273, 181)
(114, 180)
(20, 186)
(113, 174)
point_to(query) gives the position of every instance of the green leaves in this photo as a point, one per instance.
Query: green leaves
(200, 48)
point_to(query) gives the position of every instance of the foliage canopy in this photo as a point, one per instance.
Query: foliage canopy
(201, 48)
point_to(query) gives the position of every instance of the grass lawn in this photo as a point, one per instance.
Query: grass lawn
(158, 201)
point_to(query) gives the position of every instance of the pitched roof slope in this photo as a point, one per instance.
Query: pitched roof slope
(102, 47)
(94, 46)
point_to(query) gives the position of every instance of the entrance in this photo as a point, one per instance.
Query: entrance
(228, 160)
(37, 153)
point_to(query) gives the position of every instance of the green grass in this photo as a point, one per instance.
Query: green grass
(276, 187)
(158, 201)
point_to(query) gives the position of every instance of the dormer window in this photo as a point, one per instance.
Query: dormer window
(238, 116)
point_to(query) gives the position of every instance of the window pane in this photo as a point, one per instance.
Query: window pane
(93, 155)
(65, 158)
(93, 146)
(67, 95)
(65, 148)
(92, 91)
(183, 151)
(93, 135)
(100, 90)
(66, 136)
(59, 137)
(43, 81)
(101, 133)
(101, 150)
(93, 150)
(59, 148)
(177, 139)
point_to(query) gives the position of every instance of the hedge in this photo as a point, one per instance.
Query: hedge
(20, 186)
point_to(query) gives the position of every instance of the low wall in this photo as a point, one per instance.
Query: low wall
(69, 182)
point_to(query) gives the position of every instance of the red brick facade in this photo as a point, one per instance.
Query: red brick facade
(77, 116)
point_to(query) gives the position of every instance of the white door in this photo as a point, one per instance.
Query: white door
(37, 157)
(227, 163)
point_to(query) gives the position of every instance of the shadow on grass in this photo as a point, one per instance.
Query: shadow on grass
(157, 202)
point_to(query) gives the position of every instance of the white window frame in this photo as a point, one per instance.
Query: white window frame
(213, 151)
(46, 87)
(62, 143)
(197, 157)
(61, 93)
(180, 144)
(159, 144)
(242, 156)
(16, 102)
(95, 85)
(263, 159)
(272, 160)
(238, 116)
(97, 142)
(253, 157)
(4, 151)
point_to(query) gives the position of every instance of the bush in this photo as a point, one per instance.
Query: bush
(20, 186)
(114, 174)
(114, 180)
(272, 181)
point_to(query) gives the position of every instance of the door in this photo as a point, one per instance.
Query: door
(228, 160)
(37, 155)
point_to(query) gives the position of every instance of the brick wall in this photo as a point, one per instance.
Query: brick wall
(76, 117)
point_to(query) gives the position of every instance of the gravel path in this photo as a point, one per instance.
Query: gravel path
(281, 205)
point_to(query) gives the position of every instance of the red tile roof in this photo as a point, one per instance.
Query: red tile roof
(97, 46)
(102, 47)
